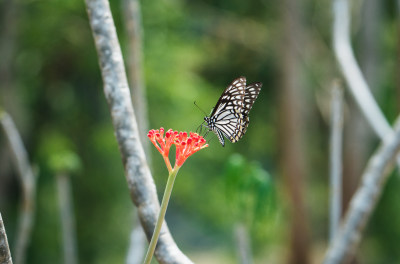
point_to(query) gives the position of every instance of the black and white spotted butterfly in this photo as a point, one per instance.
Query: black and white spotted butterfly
(230, 116)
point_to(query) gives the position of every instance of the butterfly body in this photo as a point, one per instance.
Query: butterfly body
(229, 117)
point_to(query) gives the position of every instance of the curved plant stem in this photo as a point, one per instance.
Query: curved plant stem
(163, 209)
(168, 163)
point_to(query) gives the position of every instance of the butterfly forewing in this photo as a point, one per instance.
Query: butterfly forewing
(232, 97)
(229, 117)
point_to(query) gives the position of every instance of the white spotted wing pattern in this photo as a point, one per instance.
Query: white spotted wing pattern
(230, 116)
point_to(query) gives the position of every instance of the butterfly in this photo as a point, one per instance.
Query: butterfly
(230, 116)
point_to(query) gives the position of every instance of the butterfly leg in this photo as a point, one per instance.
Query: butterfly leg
(199, 129)
(206, 134)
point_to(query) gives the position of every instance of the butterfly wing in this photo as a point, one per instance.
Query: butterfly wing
(226, 114)
(250, 97)
(231, 124)
(232, 97)
(229, 117)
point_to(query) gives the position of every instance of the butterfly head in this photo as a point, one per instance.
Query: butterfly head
(209, 122)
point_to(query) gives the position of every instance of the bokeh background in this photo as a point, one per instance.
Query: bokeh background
(273, 182)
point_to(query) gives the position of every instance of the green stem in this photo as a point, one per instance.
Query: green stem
(166, 159)
(163, 209)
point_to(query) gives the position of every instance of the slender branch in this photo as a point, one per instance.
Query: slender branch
(5, 255)
(351, 71)
(291, 145)
(137, 246)
(243, 243)
(67, 218)
(28, 183)
(336, 158)
(138, 176)
(365, 199)
(398, 6)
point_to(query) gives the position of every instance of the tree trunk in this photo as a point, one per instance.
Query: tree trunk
(5, 255)
(67, 218)
(291, 131)
(134, 31)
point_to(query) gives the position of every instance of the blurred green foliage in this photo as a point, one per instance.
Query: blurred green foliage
(192, 51)
(62, 158)
(248, 190)
(250, 198)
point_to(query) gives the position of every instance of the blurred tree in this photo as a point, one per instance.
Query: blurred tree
(397, 74)
(10, 99)
(63, 162)
(291, 125)
(133, 29)
(134, 32)
(27, 180)
(358, 134)
(9, 96)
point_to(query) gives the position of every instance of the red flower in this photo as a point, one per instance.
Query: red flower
(164, 144)
(185, 145)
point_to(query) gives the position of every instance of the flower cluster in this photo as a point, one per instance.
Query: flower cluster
(186, 144)
(162, 144)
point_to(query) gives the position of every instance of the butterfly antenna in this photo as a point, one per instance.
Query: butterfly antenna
(200, 108)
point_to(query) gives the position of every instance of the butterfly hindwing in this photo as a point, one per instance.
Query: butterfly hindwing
(250, 97)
